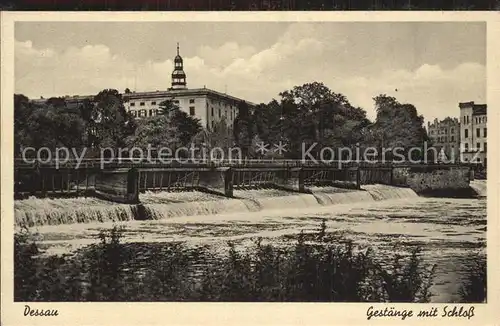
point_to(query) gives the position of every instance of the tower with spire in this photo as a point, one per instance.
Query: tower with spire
(178, 75)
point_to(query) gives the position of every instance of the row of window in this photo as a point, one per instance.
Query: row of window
(478, 147)
(443, 131)
(231, 113)
(480, 120)
(141, 103)
(478, 132)
(144, 113)
(476, 119)
(444, 139)
(152, 112)
(191, 101)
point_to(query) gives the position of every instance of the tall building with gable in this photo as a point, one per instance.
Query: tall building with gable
(209, 106)
(473, 132)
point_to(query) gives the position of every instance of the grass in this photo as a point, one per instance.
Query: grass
(311, 268)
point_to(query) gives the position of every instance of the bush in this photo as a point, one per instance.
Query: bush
(312, 268)
(473, 289)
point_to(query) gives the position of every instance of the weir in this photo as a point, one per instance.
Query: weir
(126, 185)
(163, 205)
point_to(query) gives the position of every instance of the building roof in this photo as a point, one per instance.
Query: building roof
(479, 109)
(184, 92)
(156, 94)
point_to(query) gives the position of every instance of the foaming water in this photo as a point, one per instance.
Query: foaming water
(208, 207)
(479, 187)
(333, 196)
(35, 211)
(447, 229)
(164, 205)
(384, 192)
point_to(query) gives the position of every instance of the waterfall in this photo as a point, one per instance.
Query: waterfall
(479, 187)
(213, 207)
(35, 211)
(163, 205)
(331, 196)
(384, 192)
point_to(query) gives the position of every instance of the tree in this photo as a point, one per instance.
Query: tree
(110, 122)
(220, 138)
(398, 125)
(243, 128)
(171, 128)
(23, 109)
(187, 126)
(50, 124)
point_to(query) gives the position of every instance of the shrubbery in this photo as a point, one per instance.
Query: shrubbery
(313, 268)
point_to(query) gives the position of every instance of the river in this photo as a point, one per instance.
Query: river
(388, 219)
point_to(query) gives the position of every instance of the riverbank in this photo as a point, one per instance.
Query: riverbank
(309, 267)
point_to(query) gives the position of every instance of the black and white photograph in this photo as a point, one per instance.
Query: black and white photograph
(251, 161)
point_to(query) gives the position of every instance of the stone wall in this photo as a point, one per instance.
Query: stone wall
(429, 179)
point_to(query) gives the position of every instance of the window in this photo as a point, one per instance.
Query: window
(484, 132)
(452, 138)
(132, 103)
(478, 132)
(153, 103)
(151, 112)
(452, 146)
(212, 109)
(466, 147)
(142, 113)
(134, 113)
(191, 110)
(452, 130)
(191, 101)
(468, 119)
(176, 101)
(219, 112)
(141, 104)
(478, 146)
(466, 133)
(484, 147)
(432, 132)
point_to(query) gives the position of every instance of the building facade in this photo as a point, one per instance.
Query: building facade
(445, 136)
(473, 132)
(207, 105)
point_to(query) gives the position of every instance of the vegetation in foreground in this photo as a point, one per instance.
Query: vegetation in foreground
(313, 268)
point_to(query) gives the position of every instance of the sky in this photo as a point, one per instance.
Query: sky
(433, 66)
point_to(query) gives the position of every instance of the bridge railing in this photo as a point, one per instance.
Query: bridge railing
(127, 162)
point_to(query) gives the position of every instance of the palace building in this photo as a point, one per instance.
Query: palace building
(473, 132)
(207, 105)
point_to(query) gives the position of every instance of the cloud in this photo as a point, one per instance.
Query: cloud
(225, 54)
(303, 54)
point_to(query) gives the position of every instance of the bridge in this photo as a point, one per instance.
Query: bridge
(124, 180)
